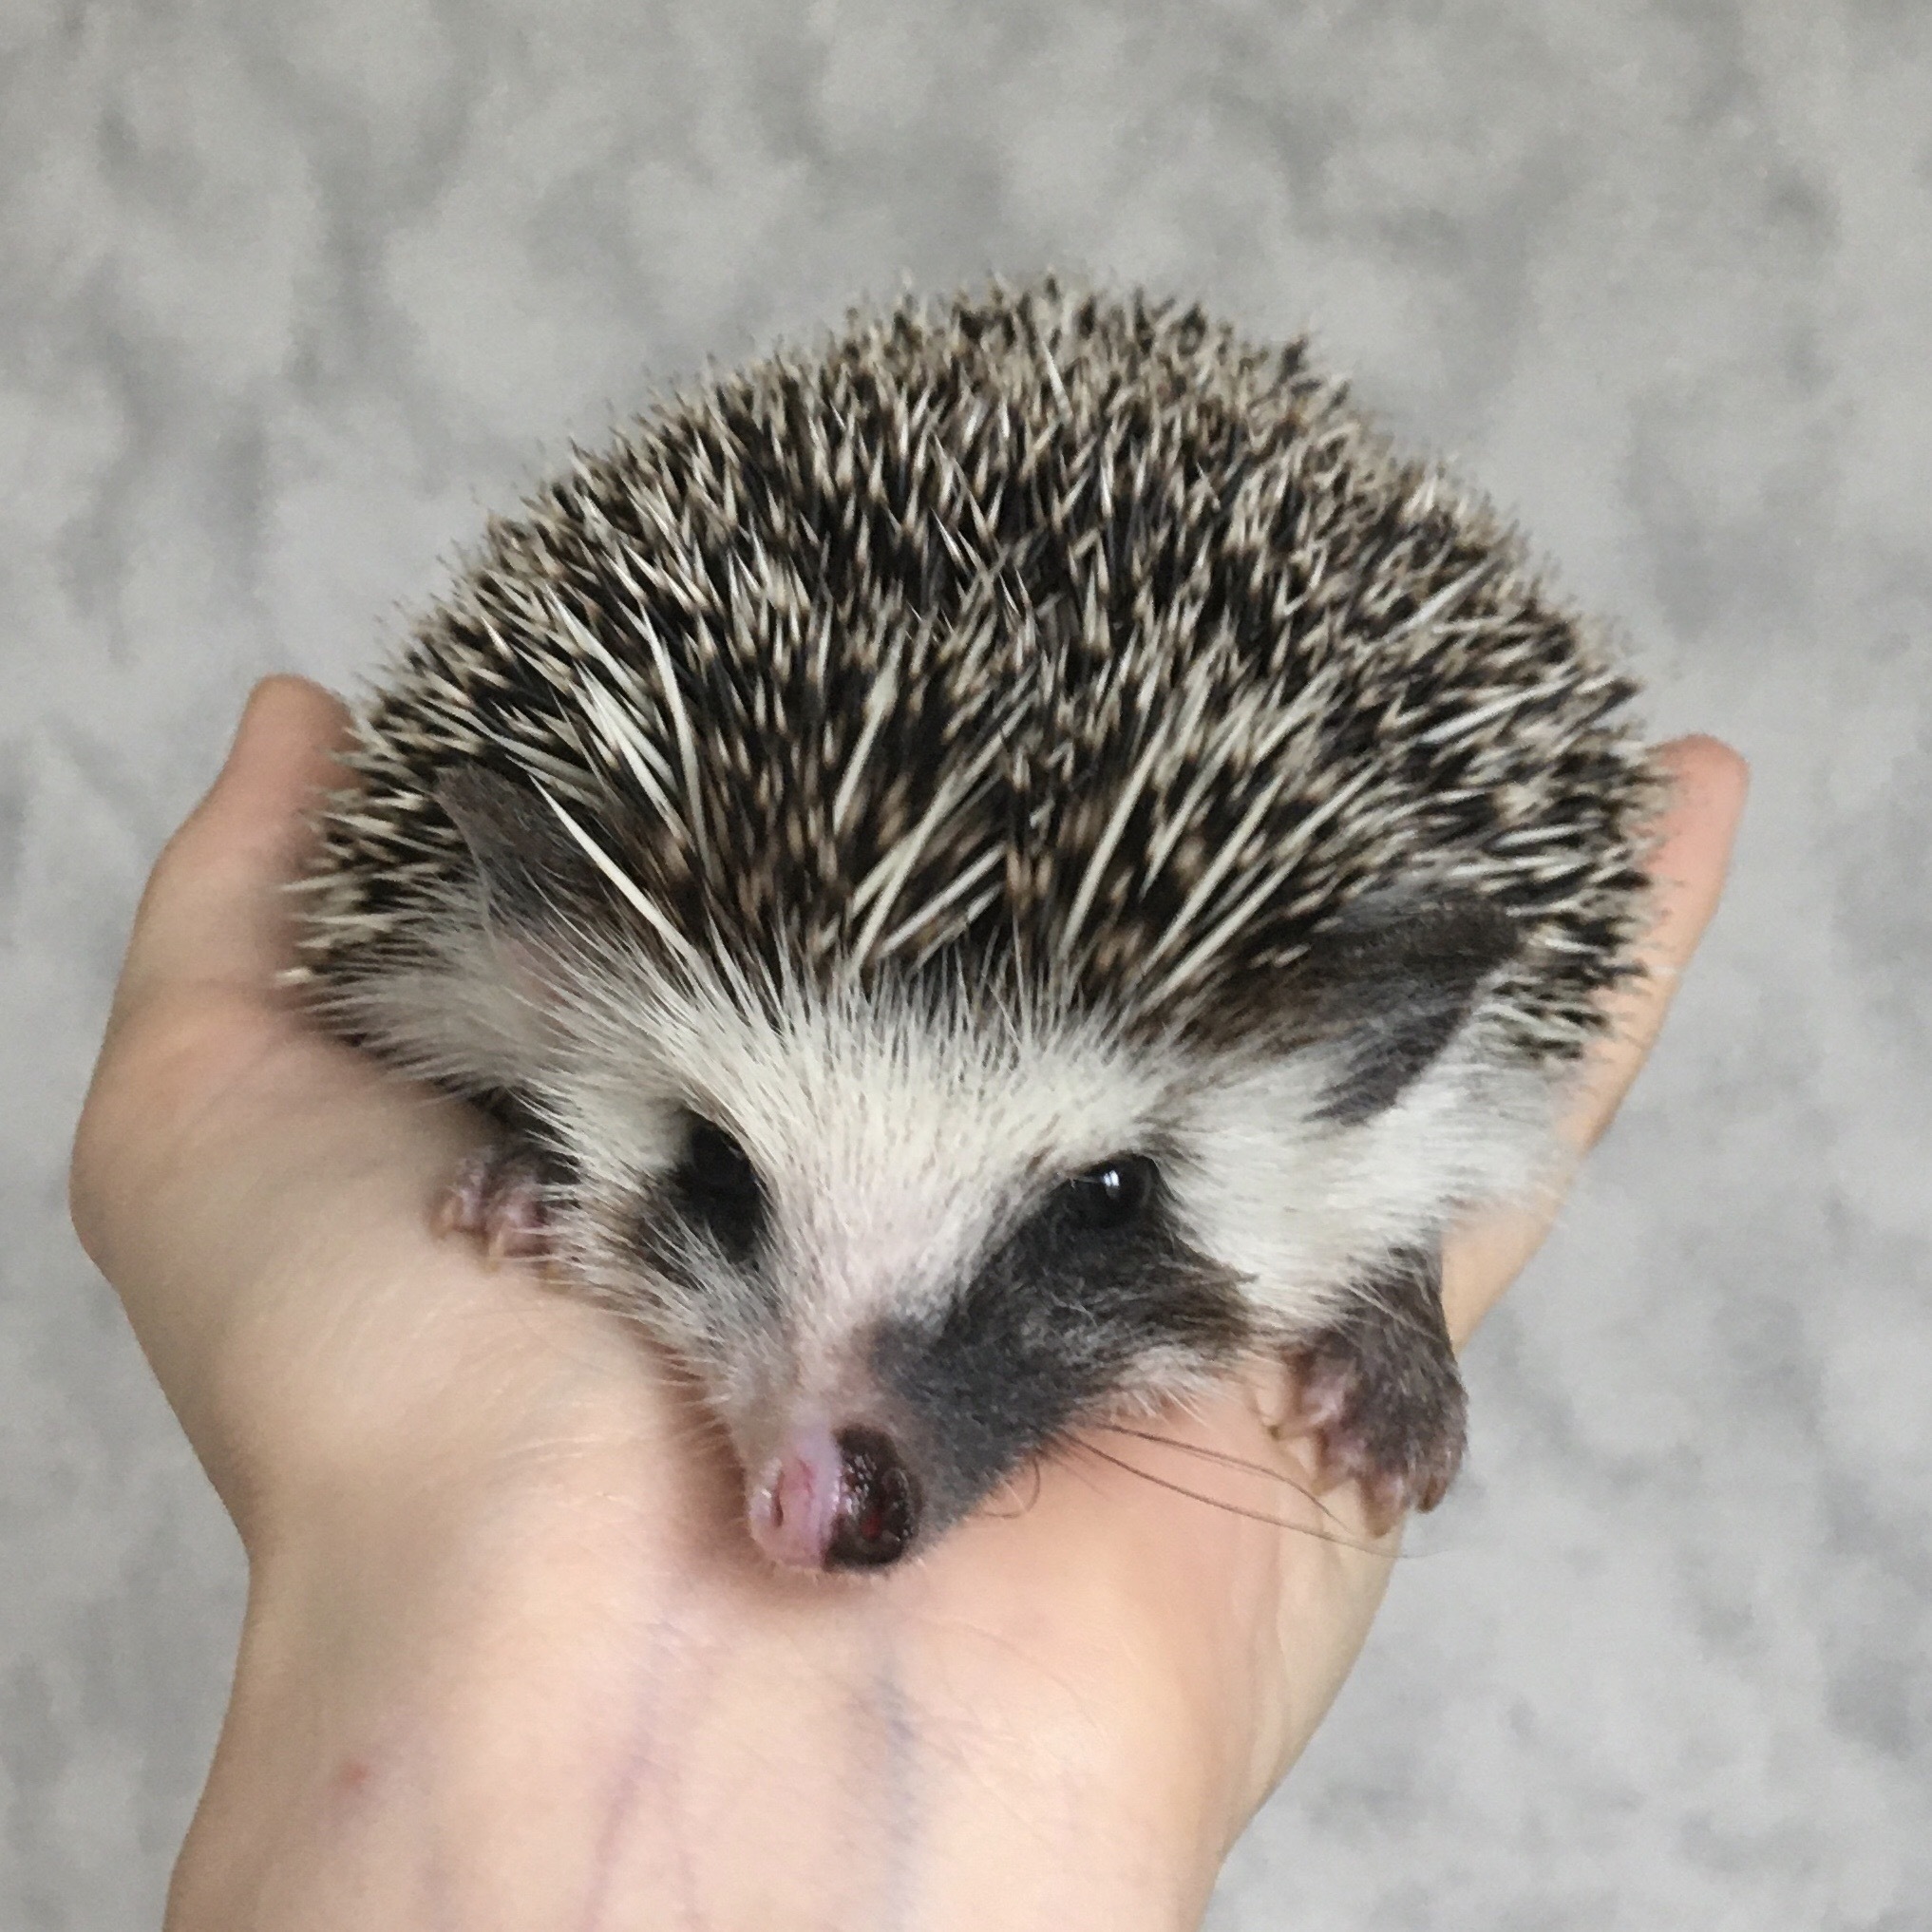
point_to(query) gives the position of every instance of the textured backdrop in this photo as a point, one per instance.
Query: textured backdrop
(290, 294)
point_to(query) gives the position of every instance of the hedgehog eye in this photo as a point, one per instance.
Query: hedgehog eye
(720, 1188)
(1113, 1195)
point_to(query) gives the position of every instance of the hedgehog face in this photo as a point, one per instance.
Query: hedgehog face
(902, 1249)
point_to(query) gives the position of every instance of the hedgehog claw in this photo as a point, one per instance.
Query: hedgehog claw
(1381, 1394)
(497, 1195)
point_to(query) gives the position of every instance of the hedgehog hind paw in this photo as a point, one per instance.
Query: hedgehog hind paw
(498, 1196)
(1381, 1394)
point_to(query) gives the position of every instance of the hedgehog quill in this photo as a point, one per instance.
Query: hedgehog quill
(987, 873)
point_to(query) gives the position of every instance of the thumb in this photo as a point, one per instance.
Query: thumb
(1688, 865)
(211, 914)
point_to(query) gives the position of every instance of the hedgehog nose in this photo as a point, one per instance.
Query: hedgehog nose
(843, 1501)
(880, 1504)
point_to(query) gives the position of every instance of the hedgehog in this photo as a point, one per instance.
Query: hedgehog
(989, 874)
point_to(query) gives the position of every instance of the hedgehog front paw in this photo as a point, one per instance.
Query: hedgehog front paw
(498, 1196)
(1382, 1394)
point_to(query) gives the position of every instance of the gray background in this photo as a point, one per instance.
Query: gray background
(289, 295)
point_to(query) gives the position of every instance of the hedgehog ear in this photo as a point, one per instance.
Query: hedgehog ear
(525, 860)
(1390, 982)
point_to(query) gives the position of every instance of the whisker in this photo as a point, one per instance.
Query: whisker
(1019, 1507)
(1236, 1508)
(1224, 1457)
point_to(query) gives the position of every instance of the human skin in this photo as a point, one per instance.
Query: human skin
(509, 1660)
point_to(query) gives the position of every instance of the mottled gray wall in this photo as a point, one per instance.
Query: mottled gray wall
(289, 292)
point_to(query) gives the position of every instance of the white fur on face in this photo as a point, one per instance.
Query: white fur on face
(893, 1147)
(1302, 1208)
(894, 1144)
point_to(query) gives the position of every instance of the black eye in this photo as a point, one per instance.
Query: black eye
(1113, 1195)
(721, 1190)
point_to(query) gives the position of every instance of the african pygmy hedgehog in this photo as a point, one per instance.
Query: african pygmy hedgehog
(987, 872)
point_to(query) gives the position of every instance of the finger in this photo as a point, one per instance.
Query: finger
(1695, 835)
(211, 913)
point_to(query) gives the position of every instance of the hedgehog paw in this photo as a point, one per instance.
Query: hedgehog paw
(498, 1196)
(1381, 1394)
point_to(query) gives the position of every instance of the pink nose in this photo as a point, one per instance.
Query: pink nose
(835, 1501)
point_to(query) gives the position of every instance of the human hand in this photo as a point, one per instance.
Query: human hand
(510, 1660)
